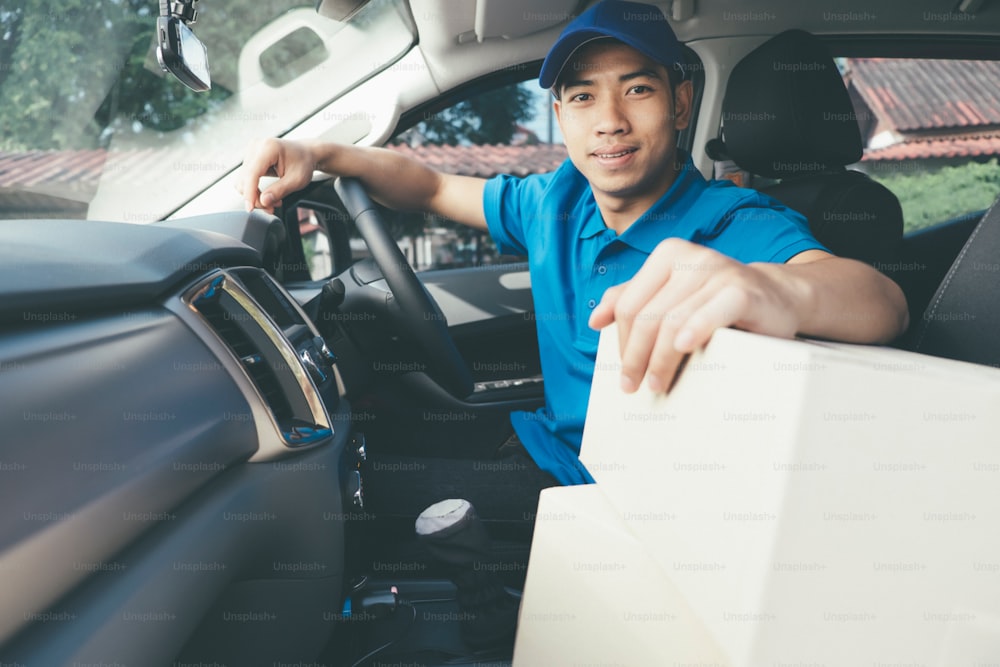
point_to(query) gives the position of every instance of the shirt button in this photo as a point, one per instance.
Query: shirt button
(602, 269)
(591, 304)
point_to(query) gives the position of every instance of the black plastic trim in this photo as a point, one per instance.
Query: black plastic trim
(61, 269)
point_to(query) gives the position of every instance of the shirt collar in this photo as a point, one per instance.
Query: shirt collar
(594, 224)
(648, 230)
(667, 215)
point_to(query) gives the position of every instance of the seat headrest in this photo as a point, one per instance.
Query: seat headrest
(786, 111)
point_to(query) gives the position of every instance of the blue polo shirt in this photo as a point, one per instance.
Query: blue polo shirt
(574, 257)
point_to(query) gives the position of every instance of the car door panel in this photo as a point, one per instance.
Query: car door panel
(490, 314)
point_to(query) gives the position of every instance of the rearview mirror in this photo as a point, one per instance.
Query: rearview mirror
(182, 54)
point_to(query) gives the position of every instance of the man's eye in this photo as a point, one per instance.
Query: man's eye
(581, 97)
(640, 89)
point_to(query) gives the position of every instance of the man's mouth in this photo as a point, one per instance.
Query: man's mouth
(610, 155)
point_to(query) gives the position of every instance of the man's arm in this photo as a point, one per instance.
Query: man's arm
(393, 179)
(685, 291)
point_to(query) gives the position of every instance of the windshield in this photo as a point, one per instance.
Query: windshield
(90, 127)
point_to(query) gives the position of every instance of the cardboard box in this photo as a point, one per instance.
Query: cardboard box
(804, 503)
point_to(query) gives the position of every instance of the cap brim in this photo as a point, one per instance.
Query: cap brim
(560, 55)
(564, 49)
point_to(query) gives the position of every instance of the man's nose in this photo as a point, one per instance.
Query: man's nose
(611, 118)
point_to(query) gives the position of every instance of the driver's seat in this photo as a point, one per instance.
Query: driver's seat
(787, 115)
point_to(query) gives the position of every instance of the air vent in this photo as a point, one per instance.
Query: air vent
(265, 356)
(221, 313)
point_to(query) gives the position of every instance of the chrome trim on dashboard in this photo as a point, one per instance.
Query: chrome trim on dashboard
(273, 441)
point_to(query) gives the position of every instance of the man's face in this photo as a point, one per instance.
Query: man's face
(619, 119)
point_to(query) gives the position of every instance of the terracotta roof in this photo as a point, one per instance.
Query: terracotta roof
(81, 169)
(916, 94)
(488, 161)
(937, 147)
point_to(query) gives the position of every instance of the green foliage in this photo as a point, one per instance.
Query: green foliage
(71, 68)
(487, 118)
(74, 72)
(936, 195)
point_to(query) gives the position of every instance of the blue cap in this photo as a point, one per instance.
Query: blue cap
(641, 26)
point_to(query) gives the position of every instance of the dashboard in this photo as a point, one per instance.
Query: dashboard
(79, 271)
(141, 368)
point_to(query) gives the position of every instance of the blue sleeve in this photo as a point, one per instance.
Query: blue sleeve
(502, 204)
(515, 206)
(764, 231)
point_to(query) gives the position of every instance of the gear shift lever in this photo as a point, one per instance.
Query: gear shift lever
(453, 534)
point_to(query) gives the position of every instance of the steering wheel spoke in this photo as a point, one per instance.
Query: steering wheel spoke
(425, 321)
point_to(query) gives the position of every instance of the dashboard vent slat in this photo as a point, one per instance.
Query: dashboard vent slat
(230, 321)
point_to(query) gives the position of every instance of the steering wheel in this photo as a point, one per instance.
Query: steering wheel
(424, 318)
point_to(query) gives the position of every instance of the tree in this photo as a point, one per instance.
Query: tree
(74, 72)
(488, 118)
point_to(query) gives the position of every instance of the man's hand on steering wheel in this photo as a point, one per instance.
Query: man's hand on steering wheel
(294, 163)
(291, 161)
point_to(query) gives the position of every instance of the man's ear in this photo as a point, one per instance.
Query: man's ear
(557, 109)
(683, 97)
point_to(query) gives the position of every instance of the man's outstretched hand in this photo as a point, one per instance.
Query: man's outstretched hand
(681, 295)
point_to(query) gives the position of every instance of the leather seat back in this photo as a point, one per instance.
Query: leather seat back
(962, 320)
(787, 115)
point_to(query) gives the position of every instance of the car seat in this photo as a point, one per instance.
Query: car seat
(963, 317)
(787, 115)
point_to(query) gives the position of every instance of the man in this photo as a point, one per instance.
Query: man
(625, 231)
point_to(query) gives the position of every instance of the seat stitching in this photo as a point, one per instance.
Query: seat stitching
(951, 274)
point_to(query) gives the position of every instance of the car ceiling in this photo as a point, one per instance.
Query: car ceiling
(460, 39)
(702, 19)
(722, 18)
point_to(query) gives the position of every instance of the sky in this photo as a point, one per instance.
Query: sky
(540, 123)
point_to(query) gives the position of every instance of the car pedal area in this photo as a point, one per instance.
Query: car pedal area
(406, 622)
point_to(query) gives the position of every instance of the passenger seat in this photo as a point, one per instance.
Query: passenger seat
(787, 115)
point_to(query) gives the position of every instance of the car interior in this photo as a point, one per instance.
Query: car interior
(813, 137)
(192, 422)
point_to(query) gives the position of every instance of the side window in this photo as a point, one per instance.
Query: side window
(929, 128)
(506, 130)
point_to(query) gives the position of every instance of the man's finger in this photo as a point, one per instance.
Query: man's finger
(650, 277)
(262, 157)
(268, 198)
(650, 352)
(645, 296)
(725, 308)
(604, 313)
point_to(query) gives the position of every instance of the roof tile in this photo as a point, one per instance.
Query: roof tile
(918, 94)
(937, 147)
(489, 160)
(82, 168)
